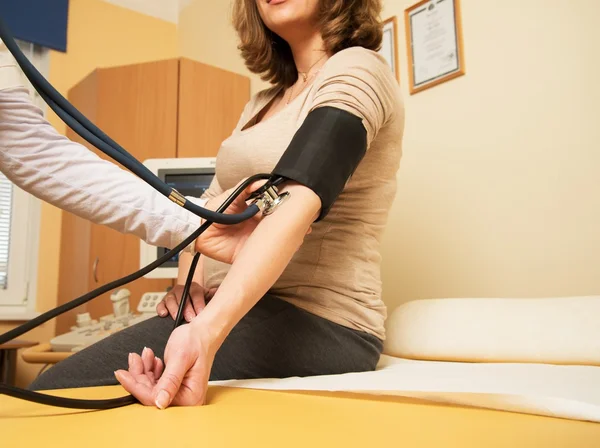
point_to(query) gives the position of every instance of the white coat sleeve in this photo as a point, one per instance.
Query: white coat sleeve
(39, 160)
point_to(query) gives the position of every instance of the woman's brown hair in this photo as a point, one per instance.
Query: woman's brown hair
(343, 24)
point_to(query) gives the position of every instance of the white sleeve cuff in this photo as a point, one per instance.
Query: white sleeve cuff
(10, 73)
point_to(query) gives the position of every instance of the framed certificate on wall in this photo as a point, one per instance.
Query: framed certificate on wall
(389, 45)
(434, 43)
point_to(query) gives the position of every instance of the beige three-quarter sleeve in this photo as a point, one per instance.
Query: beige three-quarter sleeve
(360, 82)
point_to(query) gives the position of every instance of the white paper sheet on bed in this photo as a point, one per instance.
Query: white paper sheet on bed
(571, 392)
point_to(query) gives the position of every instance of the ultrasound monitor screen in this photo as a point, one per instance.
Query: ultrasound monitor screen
(188, 184)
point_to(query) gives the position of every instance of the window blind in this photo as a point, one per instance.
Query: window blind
(5, 215)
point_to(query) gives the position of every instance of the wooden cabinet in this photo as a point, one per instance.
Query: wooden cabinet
(162, 109)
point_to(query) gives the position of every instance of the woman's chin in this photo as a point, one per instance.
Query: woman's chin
(290, 28)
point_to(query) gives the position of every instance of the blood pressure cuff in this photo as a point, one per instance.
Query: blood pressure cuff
(324, 153)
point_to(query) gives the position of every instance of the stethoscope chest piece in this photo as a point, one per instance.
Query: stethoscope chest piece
(270, 200)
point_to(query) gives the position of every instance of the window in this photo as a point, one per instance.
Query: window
(5, 213)
(19, 227)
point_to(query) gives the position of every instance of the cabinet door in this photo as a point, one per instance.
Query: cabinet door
(73, 275)
(136, 107)
(211, 101)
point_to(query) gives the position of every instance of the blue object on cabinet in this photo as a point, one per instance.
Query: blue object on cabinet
(41, 22)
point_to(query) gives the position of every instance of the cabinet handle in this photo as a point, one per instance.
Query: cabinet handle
(95, 269)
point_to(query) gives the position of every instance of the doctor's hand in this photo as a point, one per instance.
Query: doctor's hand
(184, 379)
(223, 242)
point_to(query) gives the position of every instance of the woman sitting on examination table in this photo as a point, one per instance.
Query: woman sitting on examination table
(288, 296)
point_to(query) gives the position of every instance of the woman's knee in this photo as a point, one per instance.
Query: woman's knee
(95, 365)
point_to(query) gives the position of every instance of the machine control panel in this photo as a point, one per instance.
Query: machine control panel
(88, 331)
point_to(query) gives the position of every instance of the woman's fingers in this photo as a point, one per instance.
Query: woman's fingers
(153, 366)
(158, 368)
(132, 384)
(240, 201)
(250, 188)
(161, 309)
(191, 305)
(239, 204)
(255, 186)
(168, 305)
(141, 367)
(198, 301)
(147, 359)
(195, 303)
(209, 294)
(188, 311)
(136, 365)
(171, 303)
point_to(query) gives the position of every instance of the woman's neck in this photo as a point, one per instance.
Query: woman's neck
(307, 52)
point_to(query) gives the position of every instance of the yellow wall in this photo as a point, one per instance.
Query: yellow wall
(100, 35)
(205, 34)
(498, 189)
(499, 193)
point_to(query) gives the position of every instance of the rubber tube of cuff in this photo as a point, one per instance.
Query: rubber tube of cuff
(39, 320)
(185, 296)
(62, 402)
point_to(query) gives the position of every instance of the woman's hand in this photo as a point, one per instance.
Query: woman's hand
(183, 381)
(223, 242)
(170, 302)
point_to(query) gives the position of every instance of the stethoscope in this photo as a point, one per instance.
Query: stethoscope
(265, 200)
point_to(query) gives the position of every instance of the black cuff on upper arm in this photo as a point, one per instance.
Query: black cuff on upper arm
(324, 153)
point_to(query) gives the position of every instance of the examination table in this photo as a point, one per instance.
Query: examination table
(427, 391)
(254, 418)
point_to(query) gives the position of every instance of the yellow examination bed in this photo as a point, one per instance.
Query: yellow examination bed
(533, 383)
(237, 417)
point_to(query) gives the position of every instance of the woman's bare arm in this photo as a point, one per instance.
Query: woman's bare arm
(259, 264)
(185, 262)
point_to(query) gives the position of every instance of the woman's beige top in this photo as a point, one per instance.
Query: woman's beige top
(336, 272)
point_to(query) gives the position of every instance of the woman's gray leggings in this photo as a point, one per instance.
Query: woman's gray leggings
(274, 340)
